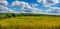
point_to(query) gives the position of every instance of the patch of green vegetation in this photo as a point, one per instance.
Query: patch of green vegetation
(10, 15)
(27, 21)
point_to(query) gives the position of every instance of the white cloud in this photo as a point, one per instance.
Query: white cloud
(3, 2)
(34, 5)
(18, 3)
(3, 6)
(25, 6)
(48, 3)
(53, 10)
(5, 9)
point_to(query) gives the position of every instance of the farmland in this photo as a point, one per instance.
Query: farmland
(30, 22)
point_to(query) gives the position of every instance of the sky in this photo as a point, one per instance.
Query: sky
(30, 6)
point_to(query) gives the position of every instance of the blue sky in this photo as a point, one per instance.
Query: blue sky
(40, 5)
(32, 6)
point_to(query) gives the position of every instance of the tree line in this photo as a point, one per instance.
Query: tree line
(9, 15)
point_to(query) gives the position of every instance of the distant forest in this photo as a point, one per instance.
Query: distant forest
(9, 15)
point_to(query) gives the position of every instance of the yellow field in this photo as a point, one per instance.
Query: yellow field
(31, 22)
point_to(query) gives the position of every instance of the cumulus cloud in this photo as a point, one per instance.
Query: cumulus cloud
(53, 10)
(25, 6)
(18, 3)
(5, 9)
(3, 6)
(3, 2)
(48, 3)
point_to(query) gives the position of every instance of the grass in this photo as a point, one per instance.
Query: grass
(31, 22)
